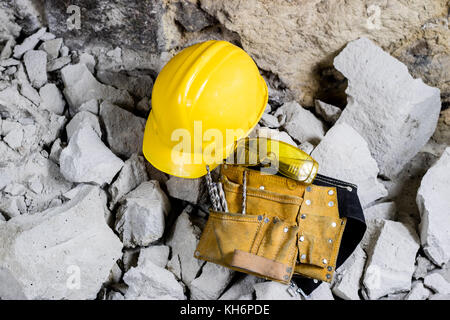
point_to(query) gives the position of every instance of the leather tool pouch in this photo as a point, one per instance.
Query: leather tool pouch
(288, 228)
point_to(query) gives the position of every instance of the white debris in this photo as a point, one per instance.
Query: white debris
(211, 283)
(64, 51)
(141, 217)
(241, 288)
(81, 86)
(47, 36)
(183, 240)
(306, 147)
(384, 210)
(14, 138)
(148, 281)
(343, 154)
(58, 63)
(91, 106)
(52, 47)
(300, 123)
(393, 112)
(348, 276)
(28, 44)
(62, 253)
(27, 90)
(268, 120)
(7, 49)
(437, 283)
(55, 151)
(423, 266)
(88, 60)
(158, 255)
(52, 99)
(418, 292)
(36, 64)
(87, 159)
(124, 131)
(275, 134)
(433, 201)
(185, 189)
(322, 292)
(390, 265)
(133, 173)
(81, 120)
(271, 290)
(327, 111)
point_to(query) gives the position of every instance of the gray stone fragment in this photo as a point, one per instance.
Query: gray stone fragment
(275, 134)
(52, 47)
(211, 283)
(28, 44)
(124, 131)
(393, 112)
(327, 111)
(434, 206)
(55, 151)
(241, 288)
(268, 120)
(191, 17)
(301, 124)
(343, 154)
(190, 190)
(390, 263)
(9, 62)
(158, 255)
(138, 85)
(58, 63)
(423, 266)
(81, 86)
(384, 210)
(133, 173)
(144, 105)
(65, 252)
(348, 276)
(437, 283)
(52, 99)
(183, 240)
(141, 217)
(418, 292)
(322, 292)
(88, 60)
(91, 106)
(83, 119)
(27, 90)
(36, 64)
(271, 290)
(14, 138)
(87, 159)
(7, 49)
(64, 51)
(439, 297)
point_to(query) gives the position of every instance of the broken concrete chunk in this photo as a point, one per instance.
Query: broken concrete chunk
(148, 281)
(393, 112)
(36, 65)
(91, 106)
(141, 217)
(51, 47)
(27, 90)
(390, 265)
(437, 283)
(268, 120)
(88, 60)
(183, 240)
(62, 253)
(322, 292)
(241, 288)
(133, 173)
(28, 44)
(211, 283)
(47, 36)
(300, 123)
(64, 51)
(55, 151)
(144, 105)
(138, 85)
(52, 99)
(343, 154)
(81, 86)
(191, 17)
(423, 266)
(190, 190)
(87, 159)
(385, 210)
(274, 134)
(348, 276)
(327, 111)
(158, 255)
(58, 63)
(271, 290)
(7, 49)
(124, 131)
(14, 138)
(83, 119)
(434, 202)
(418, 292)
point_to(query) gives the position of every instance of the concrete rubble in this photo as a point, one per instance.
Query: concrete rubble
(437, 283)
(211, 283)
(271, 290)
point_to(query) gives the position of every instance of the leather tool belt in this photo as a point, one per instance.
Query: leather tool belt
(288, 229)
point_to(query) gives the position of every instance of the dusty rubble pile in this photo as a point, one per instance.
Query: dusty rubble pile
(83, 215)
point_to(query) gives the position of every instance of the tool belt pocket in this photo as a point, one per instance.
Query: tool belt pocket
(255, 244)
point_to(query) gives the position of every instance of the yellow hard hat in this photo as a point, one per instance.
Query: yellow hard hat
(209, 95)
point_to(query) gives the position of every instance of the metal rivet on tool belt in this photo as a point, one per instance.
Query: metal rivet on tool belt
(330, 204)
(333, 224)
(260, 218)
(349, 189)
(261, 187)
(328, 276)
(266, 220)
(286, 277)
(197, 253)
(342, 223)
(289, 270)
(330, 268)
(286, 229)
(308, 188)
(330, 241)
(303, 256)
(302, 238)
(330, 192)
(324, 261)
(308, 202)
(303, 216)
(315, 280)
